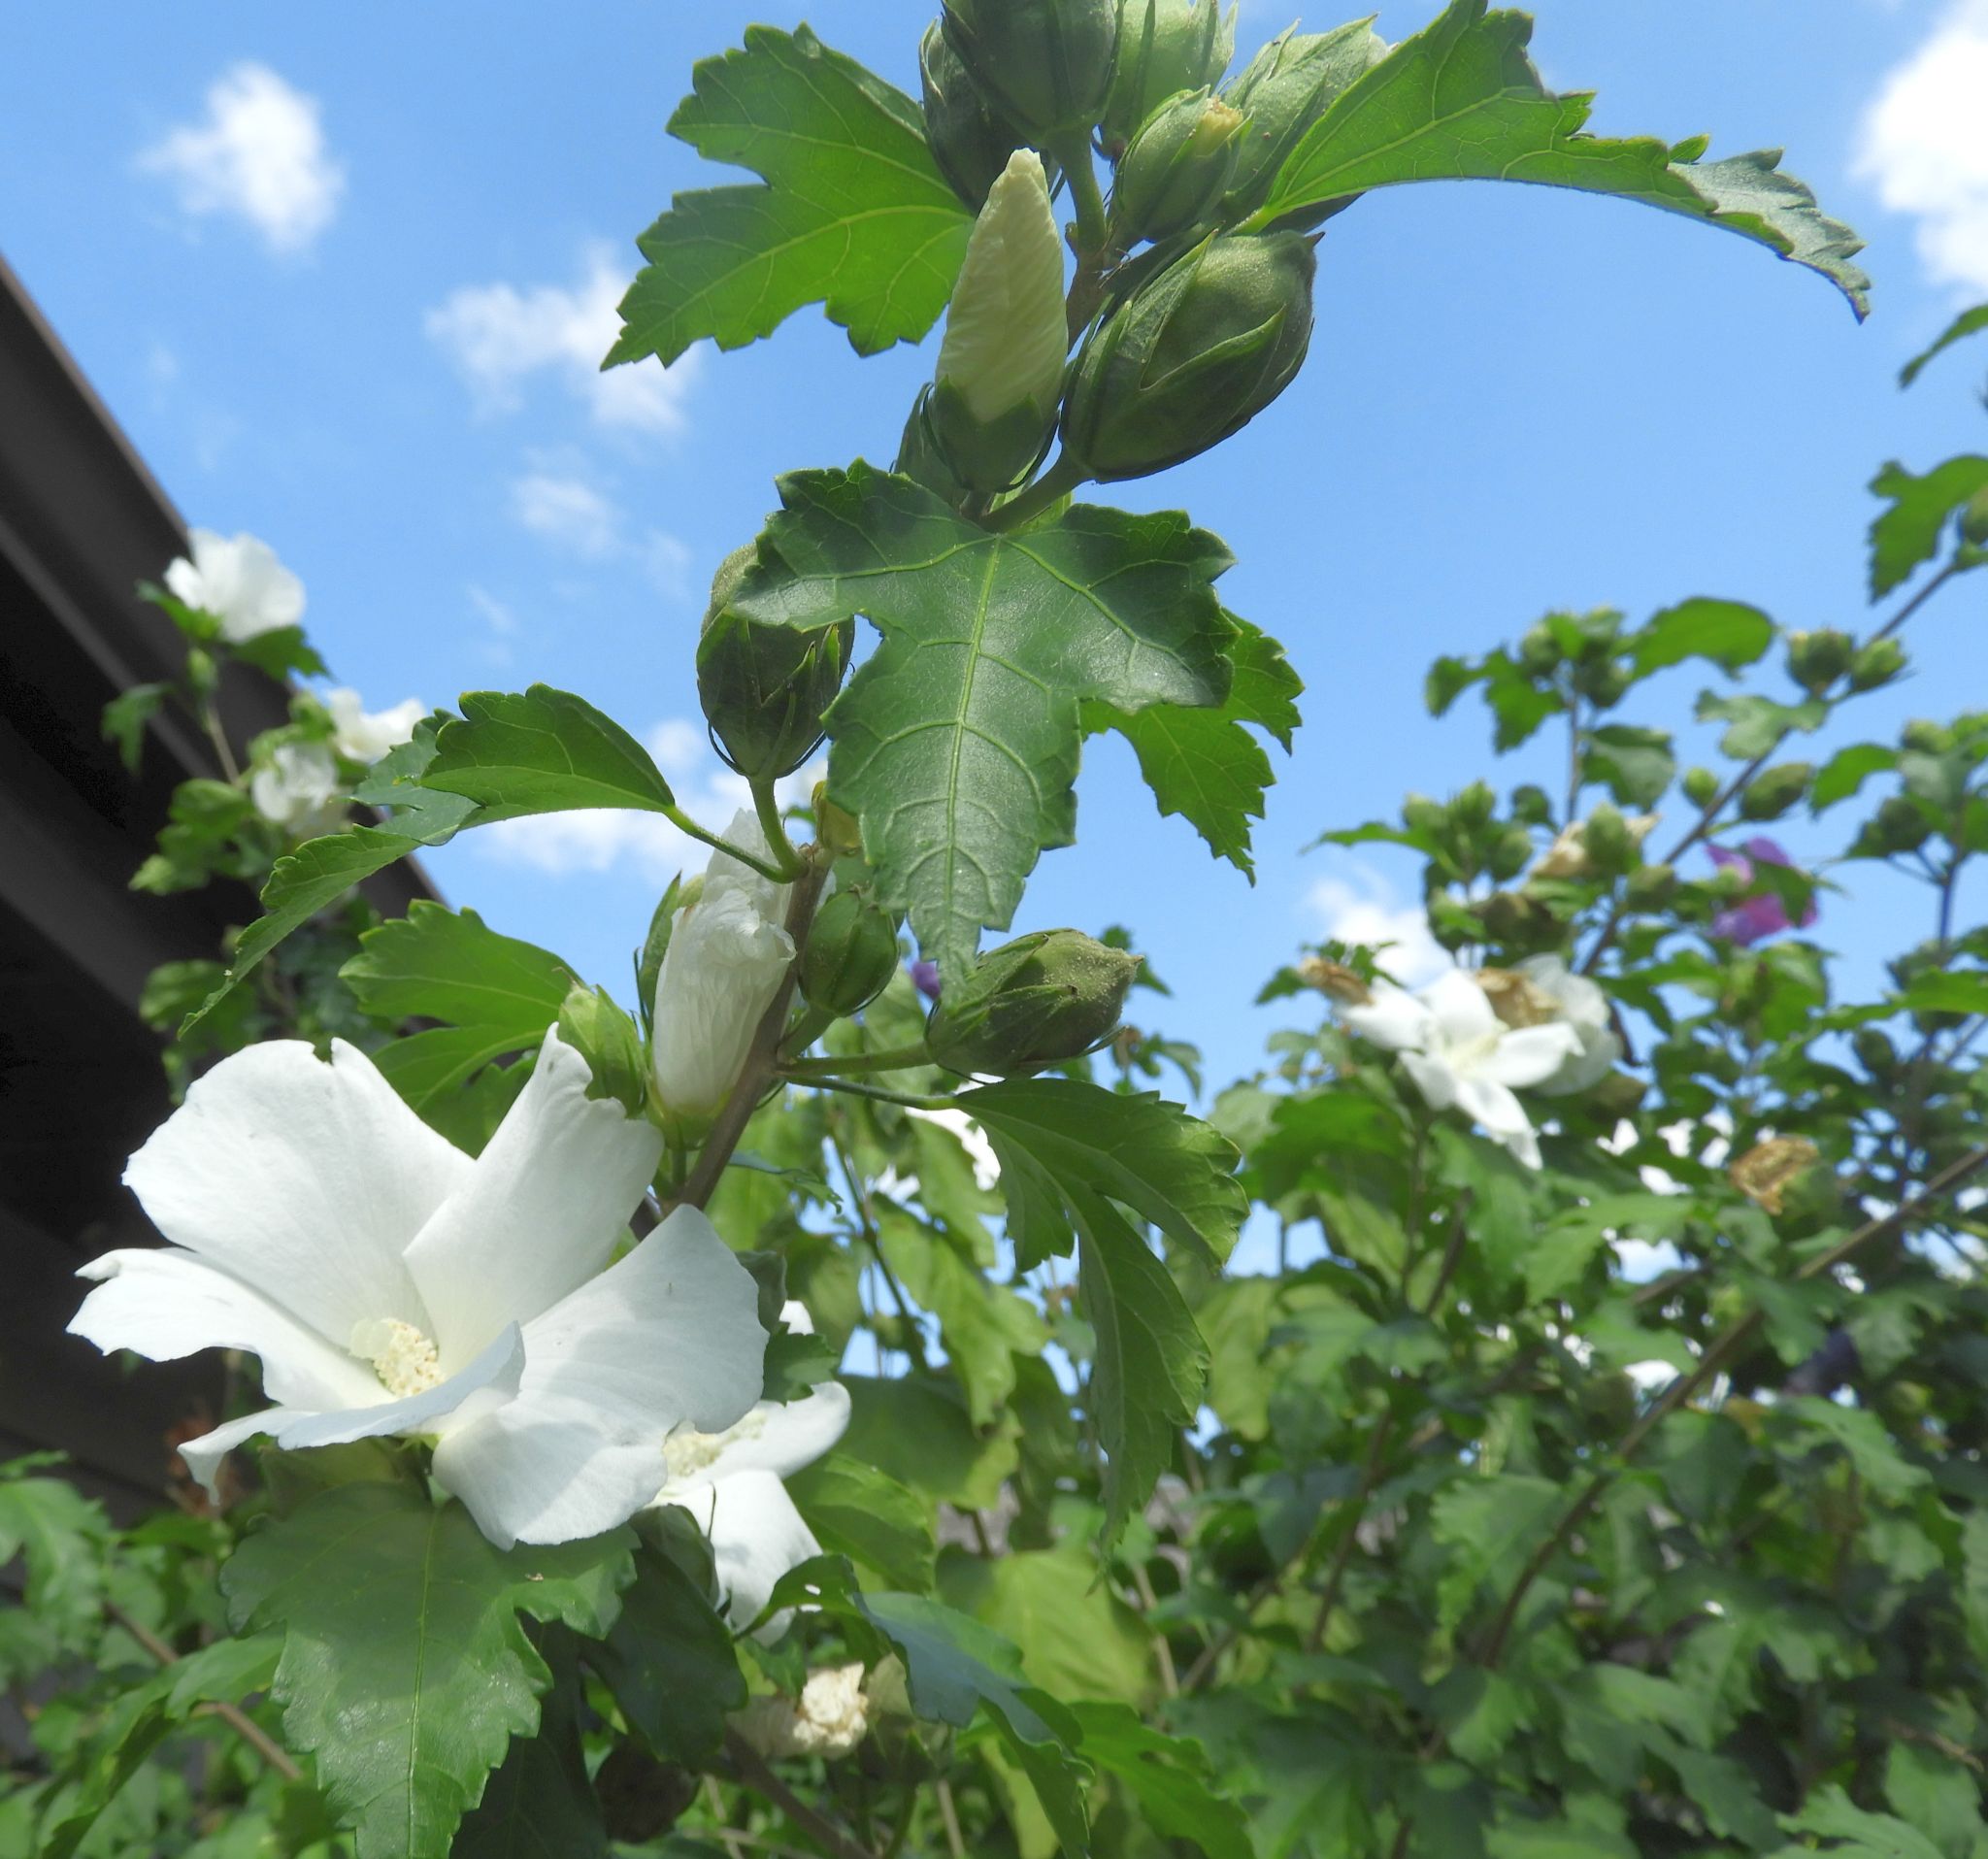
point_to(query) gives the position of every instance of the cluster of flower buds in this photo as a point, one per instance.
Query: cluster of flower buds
(1044, 64)
(1164, 46)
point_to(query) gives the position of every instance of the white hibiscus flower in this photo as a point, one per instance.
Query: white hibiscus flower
(239, 581)
(730, 1483)
(1459, 1052)
(364, 737)
(298, 788)
(390, 1284)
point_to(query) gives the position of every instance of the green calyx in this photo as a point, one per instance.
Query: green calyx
(1164, 46)
(764, 688)
(850, 956)
(610, 1042)
(1045, 64)
(1817, 659)
(1042, 998)
(1285, 89)
(1177, 167)
(970, 137)
(1192, 355)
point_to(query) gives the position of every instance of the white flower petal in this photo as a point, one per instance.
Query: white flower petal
(669, 1334)
(540, 1211)
(305, 1180)
(724, 963)
(1500, 1115)
(205, 1455)
(1529, 1053)
(488, 1381)
(1461, 1008)
(778, 1437)
(1434, 1079)
(240, 582)
(365, 737)
(1583, 1003)
(756, 1536)
(164, 1303)
(1394, 1019)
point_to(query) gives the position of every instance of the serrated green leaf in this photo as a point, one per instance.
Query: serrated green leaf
(1077, 1638)
(542, 752)
(1462, 101)
(1202, 764)
(440, 964)
(956, 741)
(540, 1803)
(856, 1511)
(62, 1537)
(855, 216)
(1908, 534)
(1170, 1167)
(668, 1658)
(1729, 633)
(954, 1667)
(1755, 724)
(917, 1430)
(126, 717)
(1968, 323)
(1847, 770)
(1167, 1775)
(1489, 1525)
(1832, 1814)
(405, 1668)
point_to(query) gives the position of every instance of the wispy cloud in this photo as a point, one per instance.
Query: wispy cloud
(499, 336)
(1923, 144)
(1358, 905)
(558, 502)
(257, 154)
(644, 845)
(500, 627)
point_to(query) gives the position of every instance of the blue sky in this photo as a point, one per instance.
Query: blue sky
(342, 274)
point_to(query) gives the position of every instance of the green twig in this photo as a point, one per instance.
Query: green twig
(766, 804)
(1058, 482)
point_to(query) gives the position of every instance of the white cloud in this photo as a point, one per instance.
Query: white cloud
(498, 335)
(1362, 906)
(260, 154)
(1923, 144)
(644, 844)
(570, 511)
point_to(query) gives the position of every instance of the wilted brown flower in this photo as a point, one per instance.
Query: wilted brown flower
(1765, 1173)
(1335, 979)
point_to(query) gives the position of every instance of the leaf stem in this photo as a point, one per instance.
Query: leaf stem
(851, 1088)
(683, 823)
(766, 804)
(1059, 481)
(896, 1058)
(238, 1720)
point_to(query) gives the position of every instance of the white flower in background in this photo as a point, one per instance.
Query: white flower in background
(829, 1718)
(730, 1481)
(727, 955)
(367, 738)
(1459, 1052)
(299, 789)
(390, 1284)
(1550, 993)
(240, 582)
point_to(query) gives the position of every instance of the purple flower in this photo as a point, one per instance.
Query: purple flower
(925, 979)
(1760, 913)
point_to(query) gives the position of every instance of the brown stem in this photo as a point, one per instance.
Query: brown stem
(753, 1771)
(238, 1720)
(1342, 1556)
(763, 1056)
(950, 1815)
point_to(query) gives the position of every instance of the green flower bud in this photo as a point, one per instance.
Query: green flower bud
(1975, 518)
(764, 686)
(1604, 681)
(970, 140)
(1770, 796)
(1164, 46)
(610, 1043)
(1285, 89)
(1422, 814)
(1817, 659)
(1538, 651)
(1876, 663)
(1177, 168)
(1046, 63)
(1875, 1052)
(1000, 374)
(1041, 998)
(922, 459)
(1191, 356)
(850, 954)
(1926, 736)
(1651, 885)
(1700, 785)
(1900, 826)
(1610, 846)
(1511, 851)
